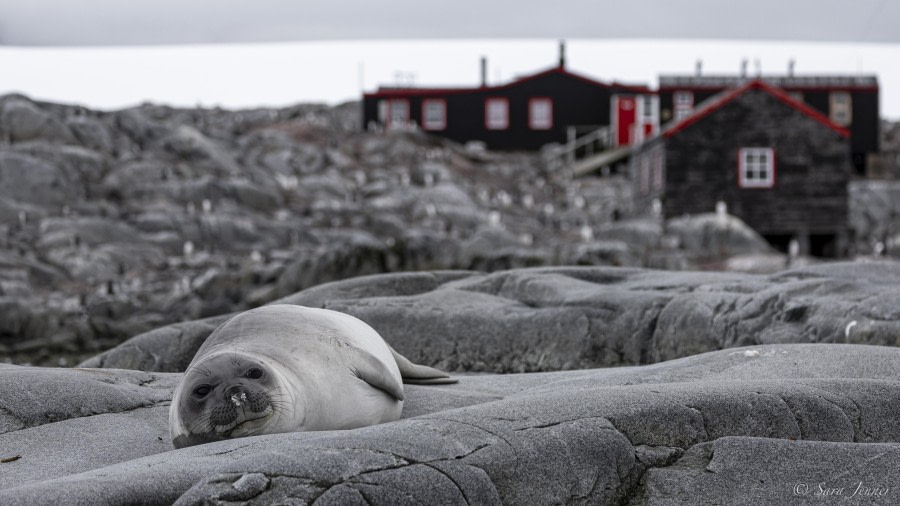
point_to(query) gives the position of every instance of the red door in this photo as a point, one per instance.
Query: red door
(626, 111)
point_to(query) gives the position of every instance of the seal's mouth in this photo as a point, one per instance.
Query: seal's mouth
(242, 425)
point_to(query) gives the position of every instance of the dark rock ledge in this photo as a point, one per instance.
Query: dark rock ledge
(740, 426)
(553, 318)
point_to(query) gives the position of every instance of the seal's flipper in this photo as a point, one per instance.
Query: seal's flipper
(375, 373)
(416, 374)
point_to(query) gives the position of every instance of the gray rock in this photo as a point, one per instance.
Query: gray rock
(278, 200)
(154, 350)
(22, 120)
(615, 253)
(713, 236)
(12, 212)
(873, 212)
(92, 134)
(140, 129)
(32, 180)
(753, 470)
(740, 426)
(87, 231)
(576, 317)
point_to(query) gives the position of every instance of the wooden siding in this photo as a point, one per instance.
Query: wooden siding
(812, 167)
(864, 128)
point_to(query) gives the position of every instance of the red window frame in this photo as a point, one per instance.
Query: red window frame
(487, 111)
(531, 119)
(756, 185)
(434, 126)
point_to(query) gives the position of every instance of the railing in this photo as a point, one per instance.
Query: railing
(579, 147)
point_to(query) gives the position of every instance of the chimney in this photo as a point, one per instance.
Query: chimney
(483, 71)
(562, 54)
(791, 67)
(699, 68)
(743, 68)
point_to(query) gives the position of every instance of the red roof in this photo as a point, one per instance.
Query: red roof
(405, 92)
(718, 101)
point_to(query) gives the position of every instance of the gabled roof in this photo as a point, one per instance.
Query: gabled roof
(413, 91)
(718, 101)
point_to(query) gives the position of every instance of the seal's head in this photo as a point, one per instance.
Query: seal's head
(226, 395)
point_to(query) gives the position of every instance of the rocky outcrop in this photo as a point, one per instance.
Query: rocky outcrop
(154, 215)
(874, 215)
(743, 426)
(555, 318)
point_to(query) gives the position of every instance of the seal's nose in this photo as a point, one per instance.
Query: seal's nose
(236, 395)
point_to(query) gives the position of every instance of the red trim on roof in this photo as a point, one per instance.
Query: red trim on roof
(388, 92)
(718, 101)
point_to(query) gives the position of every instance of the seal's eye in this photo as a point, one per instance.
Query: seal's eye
(254, 373)
(202, 391)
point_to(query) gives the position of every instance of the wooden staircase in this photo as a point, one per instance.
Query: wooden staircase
(586, 154)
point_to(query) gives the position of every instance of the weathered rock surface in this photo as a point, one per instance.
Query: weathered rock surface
(154, 215)
(874, 214)
(554, 318)
(762, 424)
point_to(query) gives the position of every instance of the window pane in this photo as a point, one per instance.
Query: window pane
(540, 113)
(434, 114)
(841, 108)
(497, 114)
(756, 168)
(399, 111)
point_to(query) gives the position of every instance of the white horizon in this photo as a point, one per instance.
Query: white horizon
(240, 76)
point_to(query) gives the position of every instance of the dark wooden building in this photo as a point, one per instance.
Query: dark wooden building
(525, 114)
(848, 101)
(777, 163)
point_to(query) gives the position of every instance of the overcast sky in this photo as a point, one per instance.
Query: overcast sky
(247, 53)
(118, 22)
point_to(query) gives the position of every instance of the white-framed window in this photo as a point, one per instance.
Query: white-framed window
(841, 108)
(756, 167)
(434, 114)
(684, 104)
(540, 113)
(496, 113)
(648, 107)
(398, 112)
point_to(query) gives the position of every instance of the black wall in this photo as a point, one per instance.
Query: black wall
(864, 126)
(576, 102)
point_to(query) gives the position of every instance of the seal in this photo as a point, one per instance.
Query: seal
(285, 368)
